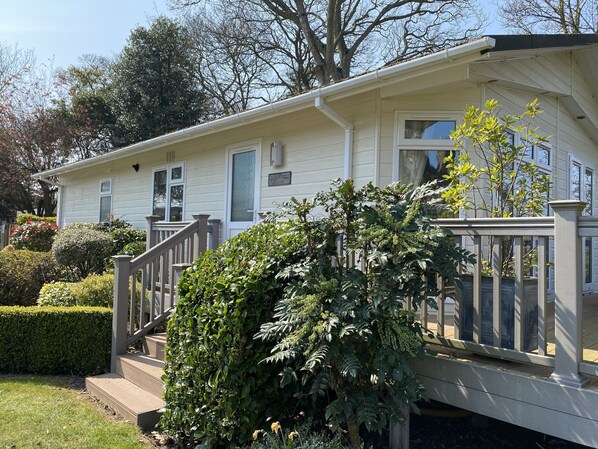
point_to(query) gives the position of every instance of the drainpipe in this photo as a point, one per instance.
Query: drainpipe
(343, 123)
(58, 198)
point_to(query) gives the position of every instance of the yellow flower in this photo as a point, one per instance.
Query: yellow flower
(257, 433)
(293, 435)
(276, 427)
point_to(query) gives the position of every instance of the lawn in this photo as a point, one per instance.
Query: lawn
(53, 413)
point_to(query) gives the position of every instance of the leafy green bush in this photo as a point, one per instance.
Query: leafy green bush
(33, 235)
(22, 275)
(129, 238)
(342, 329)
(84, 250)
(134, 249)
(217, 392)
(57, 294)
(95, 290)
(28, 218)
(55, 340)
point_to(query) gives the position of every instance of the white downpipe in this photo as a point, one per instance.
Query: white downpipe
(320, 104)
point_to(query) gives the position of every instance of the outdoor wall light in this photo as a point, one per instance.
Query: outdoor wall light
(276, 154)
(136, 167)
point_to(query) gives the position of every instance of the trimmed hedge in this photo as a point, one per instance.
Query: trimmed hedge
(93, 291)
(28, 218)
(22, 275)
(55, 340)
(84, 250)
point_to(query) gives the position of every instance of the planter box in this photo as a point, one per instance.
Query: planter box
(530, 312)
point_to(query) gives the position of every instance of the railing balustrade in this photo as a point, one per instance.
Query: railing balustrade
(144, 287)
(520, 330)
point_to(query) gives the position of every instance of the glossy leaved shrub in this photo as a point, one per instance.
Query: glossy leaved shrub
(217, 391)
(95, 291)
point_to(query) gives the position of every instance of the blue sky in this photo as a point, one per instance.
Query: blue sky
(62, 30)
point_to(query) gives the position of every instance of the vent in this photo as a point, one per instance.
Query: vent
(170, 156)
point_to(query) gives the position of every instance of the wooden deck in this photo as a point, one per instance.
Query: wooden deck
(590, 327)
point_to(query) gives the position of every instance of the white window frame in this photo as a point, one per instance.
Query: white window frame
(400, 143)
(104, 195)
(169, 184)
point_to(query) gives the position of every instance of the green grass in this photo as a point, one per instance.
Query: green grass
(51, 413)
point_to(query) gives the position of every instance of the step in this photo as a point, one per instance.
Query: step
(142, 370)
(127, 399)
(153, 345)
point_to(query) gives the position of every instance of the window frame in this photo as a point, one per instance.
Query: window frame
(107, 194)
(170, 183)
(400, 143)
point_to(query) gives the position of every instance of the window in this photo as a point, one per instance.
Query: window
(423, 145)
(581, 187)
(105, 200)
(168, 192)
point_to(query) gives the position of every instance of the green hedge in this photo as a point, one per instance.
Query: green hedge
(22, 275)
(95, 291)
(55, 340)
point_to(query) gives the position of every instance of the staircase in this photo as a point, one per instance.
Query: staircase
(135, 389)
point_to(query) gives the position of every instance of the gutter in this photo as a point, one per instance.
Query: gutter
(370, 80)
(349, 131)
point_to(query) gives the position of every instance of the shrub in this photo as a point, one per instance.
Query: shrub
(342, 329)
(217, 392)
(28, 218)
(134, 249)
(22, 275)
(33, 235)
(85, 250)
(57, 294)
(95, 290)
(55, 340)
(129, 239)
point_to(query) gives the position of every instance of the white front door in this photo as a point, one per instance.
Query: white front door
(243, 175)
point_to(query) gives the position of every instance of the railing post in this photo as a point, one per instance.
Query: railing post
(568, 294)
(201, 243)
(150, 238)
(215, 232)
(120, 308)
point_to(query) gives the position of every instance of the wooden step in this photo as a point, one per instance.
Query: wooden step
(142, 370)
(153, 345)
(127, 399)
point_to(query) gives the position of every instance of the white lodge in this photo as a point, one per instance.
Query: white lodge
(393, 124)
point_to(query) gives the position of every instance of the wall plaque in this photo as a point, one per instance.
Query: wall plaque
(282, 178)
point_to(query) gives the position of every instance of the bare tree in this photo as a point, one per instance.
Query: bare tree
(550, 16)
(336, 37)
(15, 63)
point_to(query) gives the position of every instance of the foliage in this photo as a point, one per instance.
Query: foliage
(22, 275)
(28, 218)
(302, 438)
(127, 240)
(153, 90)
(217, 392)
(503, 184)
(34, 235)
(342, 329)
(50, 412)
(55, 340)
(84, 250)
(134, 249)
(94, 291)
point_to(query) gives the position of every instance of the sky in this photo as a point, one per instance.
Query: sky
(60, 31)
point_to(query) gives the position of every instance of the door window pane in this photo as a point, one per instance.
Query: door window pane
(159, 206)
(588, 260)
(243, 186)
(176, 173)
(176, 203)
(420, 166)
(105, 207)
(429, 129)
(543, 156)
(575, 181)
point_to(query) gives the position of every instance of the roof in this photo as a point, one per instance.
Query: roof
(368, 81)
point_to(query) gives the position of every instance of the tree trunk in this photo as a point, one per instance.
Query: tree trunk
(354, 437)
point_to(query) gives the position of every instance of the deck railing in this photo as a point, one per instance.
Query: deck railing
(4, 233)
(145, 287)
(527, 316)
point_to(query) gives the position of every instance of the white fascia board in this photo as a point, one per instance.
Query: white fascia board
(369, 80)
